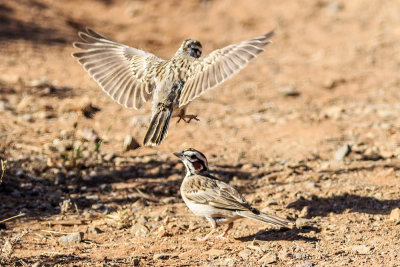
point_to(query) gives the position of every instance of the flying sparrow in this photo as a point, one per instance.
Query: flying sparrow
(132, 76)
(218, 202)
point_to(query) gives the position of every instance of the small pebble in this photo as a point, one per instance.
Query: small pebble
(301, 222)
(130, 143)
(342, 152)
(289, 91)
(94, 230)
(71, 238)
(305, 264)
(395, 215)
(362, 249)
(245, 253)
(268, 259)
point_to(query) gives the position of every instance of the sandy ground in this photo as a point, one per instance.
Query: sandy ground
(308, 131)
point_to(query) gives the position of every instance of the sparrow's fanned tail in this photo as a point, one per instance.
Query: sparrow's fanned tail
(271, 219)
(158, 128)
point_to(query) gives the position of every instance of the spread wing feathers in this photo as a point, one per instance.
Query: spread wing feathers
(220, 65)
(216, 193)
(124, 73)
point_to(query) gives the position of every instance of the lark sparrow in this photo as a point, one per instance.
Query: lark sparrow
(218, 202)
(132, 76)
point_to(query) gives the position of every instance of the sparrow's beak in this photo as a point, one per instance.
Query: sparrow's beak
(179, 154)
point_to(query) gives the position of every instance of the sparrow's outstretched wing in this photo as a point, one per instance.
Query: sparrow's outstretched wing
(124, 73)
(220, 65)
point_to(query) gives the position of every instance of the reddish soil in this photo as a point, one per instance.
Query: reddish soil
(330, 79)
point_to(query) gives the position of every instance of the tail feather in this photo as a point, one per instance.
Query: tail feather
(158, 128)
(271, 219)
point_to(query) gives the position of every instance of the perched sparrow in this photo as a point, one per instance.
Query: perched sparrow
(218, 202)
(132, 76)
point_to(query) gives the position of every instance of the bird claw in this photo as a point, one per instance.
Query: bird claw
(188, 117)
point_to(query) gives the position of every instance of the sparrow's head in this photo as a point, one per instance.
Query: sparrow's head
(195, 161)
(191, 48)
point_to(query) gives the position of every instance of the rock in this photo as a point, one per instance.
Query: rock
(130, 143)
(61, 145)
(89, 134)
(215, 252)
(362, 249)
(304, 212)
(311, 185)
(109, 156)
(333, 83)
(305, 264)
(43, 82)
(94, 230)
(42, 115)
(271, 202)
(71, 238)
(301, 255)
(4, 106)
(268, 259)
(301, 222)
(139, 230)
(342, 152)
(19, 172)
(283, 254)
(97, 206)
(289, 91)
(334, 112)
(335, 7)
(161, 256)
(161, 232)
(9, 78)
(28, 118)
(395, 215)
(245, 253)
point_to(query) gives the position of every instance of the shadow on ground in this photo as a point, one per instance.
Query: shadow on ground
(37, 190)
(12, 28)
(322, 206)
(46, 260)
(282, 234)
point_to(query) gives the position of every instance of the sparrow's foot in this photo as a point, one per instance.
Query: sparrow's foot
(223, 235)
(207, 237)
(187, 118)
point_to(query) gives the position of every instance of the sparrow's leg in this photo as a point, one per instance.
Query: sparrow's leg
(183, 116)
(214, 228)
(230, 225)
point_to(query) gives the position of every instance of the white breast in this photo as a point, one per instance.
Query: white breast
(200, 209)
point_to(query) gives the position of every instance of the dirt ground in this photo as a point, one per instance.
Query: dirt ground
(308, 131)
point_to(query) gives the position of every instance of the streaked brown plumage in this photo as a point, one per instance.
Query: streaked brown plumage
(218, 202)
(132, 76)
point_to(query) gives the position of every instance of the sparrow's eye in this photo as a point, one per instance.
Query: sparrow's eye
(193, 157)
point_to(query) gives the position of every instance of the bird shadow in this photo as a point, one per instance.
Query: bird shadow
(282, 234)
(32, 188)
(322, 206)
